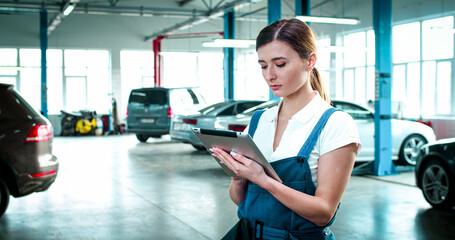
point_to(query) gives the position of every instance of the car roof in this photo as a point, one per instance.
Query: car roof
(6, 86)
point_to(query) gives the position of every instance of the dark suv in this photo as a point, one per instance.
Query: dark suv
(150, 110)
(26, 161)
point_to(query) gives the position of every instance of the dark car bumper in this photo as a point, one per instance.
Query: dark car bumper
(39, 181)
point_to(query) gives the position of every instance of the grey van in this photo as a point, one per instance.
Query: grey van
(150, 110)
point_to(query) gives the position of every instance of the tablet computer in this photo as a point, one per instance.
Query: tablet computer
(239, 142)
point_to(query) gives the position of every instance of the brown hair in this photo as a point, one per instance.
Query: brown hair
(299, 36)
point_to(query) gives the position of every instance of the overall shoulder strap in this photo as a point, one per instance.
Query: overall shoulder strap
(314, 135)
(254, 122)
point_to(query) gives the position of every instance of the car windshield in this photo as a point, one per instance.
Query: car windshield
(213, 107)
(9, 106)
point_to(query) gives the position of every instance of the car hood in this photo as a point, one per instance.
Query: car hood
(444, 141)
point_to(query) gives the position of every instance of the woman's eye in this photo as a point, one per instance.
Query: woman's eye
(263, 67)
(281, 65)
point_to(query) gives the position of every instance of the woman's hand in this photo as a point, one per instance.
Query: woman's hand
(241, 166)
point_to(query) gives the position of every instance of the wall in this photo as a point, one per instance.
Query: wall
(444, 127)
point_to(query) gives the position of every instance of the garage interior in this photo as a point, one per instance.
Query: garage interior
(114, 187)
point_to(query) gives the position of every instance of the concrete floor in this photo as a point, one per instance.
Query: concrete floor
(114, 187)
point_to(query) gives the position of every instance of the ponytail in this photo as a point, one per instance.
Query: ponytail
(318, 85)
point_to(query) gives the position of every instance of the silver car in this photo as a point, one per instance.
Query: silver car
(182, 125)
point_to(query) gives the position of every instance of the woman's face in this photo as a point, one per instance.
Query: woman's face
(283, 69)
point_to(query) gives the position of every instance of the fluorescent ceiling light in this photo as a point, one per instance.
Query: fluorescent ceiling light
(315, 19)
(229, 43)
(68, 9)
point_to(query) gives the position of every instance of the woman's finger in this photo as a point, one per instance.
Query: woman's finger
(224, 157)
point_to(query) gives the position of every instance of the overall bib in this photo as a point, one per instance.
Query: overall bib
(270, 219)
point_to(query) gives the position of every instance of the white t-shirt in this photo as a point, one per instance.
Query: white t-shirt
(340, 130)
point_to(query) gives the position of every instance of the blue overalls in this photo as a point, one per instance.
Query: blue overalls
(270, 219)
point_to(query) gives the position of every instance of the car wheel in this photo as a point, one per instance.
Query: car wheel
(199, 148)
(4, 197)
(410, 150)
(438, 184)
(141, 138)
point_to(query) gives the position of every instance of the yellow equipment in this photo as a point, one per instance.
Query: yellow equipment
(84, 126)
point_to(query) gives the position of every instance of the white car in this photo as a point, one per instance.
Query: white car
(407, 136)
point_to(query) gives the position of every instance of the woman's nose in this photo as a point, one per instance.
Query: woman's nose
(270, 74)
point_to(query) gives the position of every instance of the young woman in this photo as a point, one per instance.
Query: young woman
(310, 145)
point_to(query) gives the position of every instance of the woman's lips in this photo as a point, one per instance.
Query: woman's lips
(275, 87)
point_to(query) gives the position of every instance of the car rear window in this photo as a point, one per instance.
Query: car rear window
(148, 97)
(213, 107)
(182, 98)
(12, 105)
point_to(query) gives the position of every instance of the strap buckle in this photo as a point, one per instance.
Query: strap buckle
(258, 225)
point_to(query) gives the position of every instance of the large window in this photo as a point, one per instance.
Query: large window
(202, 70)
(422, 56)
(179, 69)
(422, 73)
(8, 66)
(76, 79)
(136, 72)
(323, 62)
(406, 42)
(248, 79)
(358, 74)
(87, 74)
(437, 38)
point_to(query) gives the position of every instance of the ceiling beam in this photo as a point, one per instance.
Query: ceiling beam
(100, 9)
(210, 14)
(184, 2)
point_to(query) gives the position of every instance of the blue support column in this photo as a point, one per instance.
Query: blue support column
(382, 23)
(43, 46)
(273, 15)
(229, 33)
(303, 8)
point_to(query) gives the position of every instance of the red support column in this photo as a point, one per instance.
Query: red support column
(157, 59)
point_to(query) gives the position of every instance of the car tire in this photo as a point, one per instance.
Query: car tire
(438, 185)
(141, 138)
(410, 150)
(4, 197)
